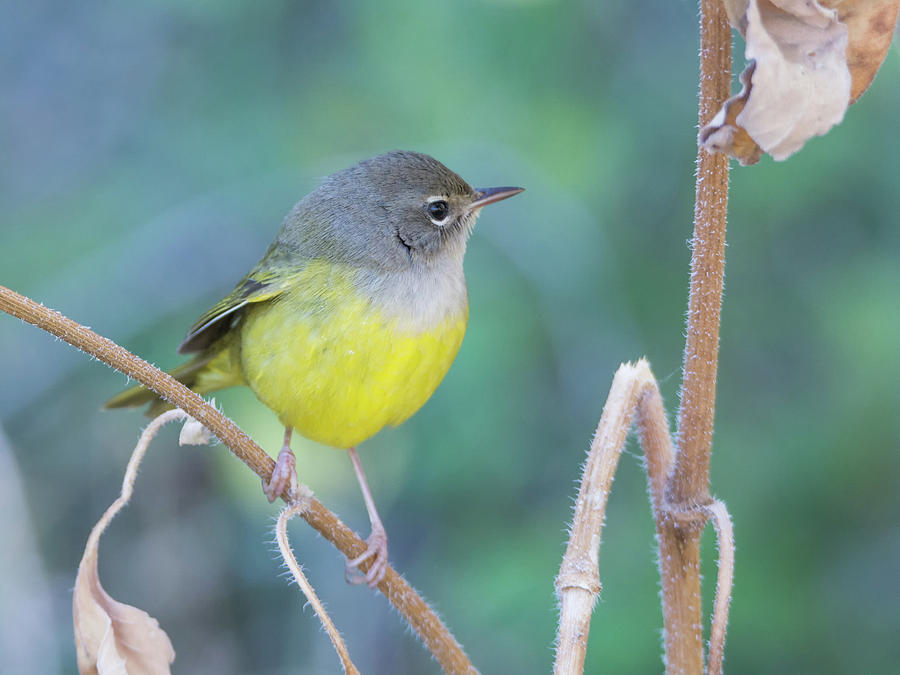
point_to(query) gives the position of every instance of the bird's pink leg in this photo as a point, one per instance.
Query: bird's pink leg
(377, 549)
(285, 474)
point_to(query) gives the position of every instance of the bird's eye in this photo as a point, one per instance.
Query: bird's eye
(438, 210)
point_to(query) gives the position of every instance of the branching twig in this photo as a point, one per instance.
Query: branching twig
(417, 613)
(288, 556)
(725, 537)
(107, 631)
(147, 435)
(634, 392)
(578, 584)
(656, 438)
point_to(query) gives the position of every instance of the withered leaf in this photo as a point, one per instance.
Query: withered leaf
(112, 638)
(724, 134)
(870, 24)
(797, 84)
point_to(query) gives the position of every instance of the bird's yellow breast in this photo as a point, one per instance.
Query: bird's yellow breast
(338, 367)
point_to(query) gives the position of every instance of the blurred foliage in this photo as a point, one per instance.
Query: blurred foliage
(150, 150)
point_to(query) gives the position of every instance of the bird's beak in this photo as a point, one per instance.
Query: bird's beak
(495, 194)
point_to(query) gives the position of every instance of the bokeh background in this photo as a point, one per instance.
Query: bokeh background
(149, 152)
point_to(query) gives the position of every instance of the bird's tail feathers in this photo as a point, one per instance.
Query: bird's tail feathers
(203, 374)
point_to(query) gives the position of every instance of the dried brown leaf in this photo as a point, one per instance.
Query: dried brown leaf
(796, 87)
(808, 62)
(728, 136)
(112, 638)
(737, 14)
(870, 24)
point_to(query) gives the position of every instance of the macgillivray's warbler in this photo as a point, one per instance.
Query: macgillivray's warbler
(352, 317)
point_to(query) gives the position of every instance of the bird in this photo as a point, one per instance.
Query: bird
(350, 320)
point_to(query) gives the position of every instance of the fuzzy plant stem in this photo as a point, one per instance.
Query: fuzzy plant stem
(687, 491)
(421, 618)
(634, 393)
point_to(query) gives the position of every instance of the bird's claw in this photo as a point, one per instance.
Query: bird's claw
(377, 551)
(284, 475)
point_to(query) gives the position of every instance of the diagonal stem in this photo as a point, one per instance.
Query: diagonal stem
(421, 618)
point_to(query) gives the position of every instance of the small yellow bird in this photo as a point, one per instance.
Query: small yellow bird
(352, 317)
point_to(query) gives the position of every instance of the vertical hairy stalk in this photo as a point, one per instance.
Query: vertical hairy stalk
(688, 487)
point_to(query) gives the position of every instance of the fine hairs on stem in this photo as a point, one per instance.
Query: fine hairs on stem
(106, 630)
(724, 581)
(679, 482)
(110, 634)
(578, 582)
(634, 393)
(421, 618)
(290, 560)
(687, 489)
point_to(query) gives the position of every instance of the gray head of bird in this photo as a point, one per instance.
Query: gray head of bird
(391, 212)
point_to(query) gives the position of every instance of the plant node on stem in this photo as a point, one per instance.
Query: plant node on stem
(634, 389)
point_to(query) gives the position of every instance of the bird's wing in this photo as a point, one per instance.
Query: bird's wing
(261, 284)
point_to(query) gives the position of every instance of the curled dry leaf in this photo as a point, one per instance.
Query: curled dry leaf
(808, 62)
(736, 10)
(724, 134)
(798, 84)
(112, 638)
(871, 26)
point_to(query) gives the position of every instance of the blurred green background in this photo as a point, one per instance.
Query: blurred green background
(149, 152)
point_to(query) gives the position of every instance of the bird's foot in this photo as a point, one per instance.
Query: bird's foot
(283, 477)
(377, 552)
